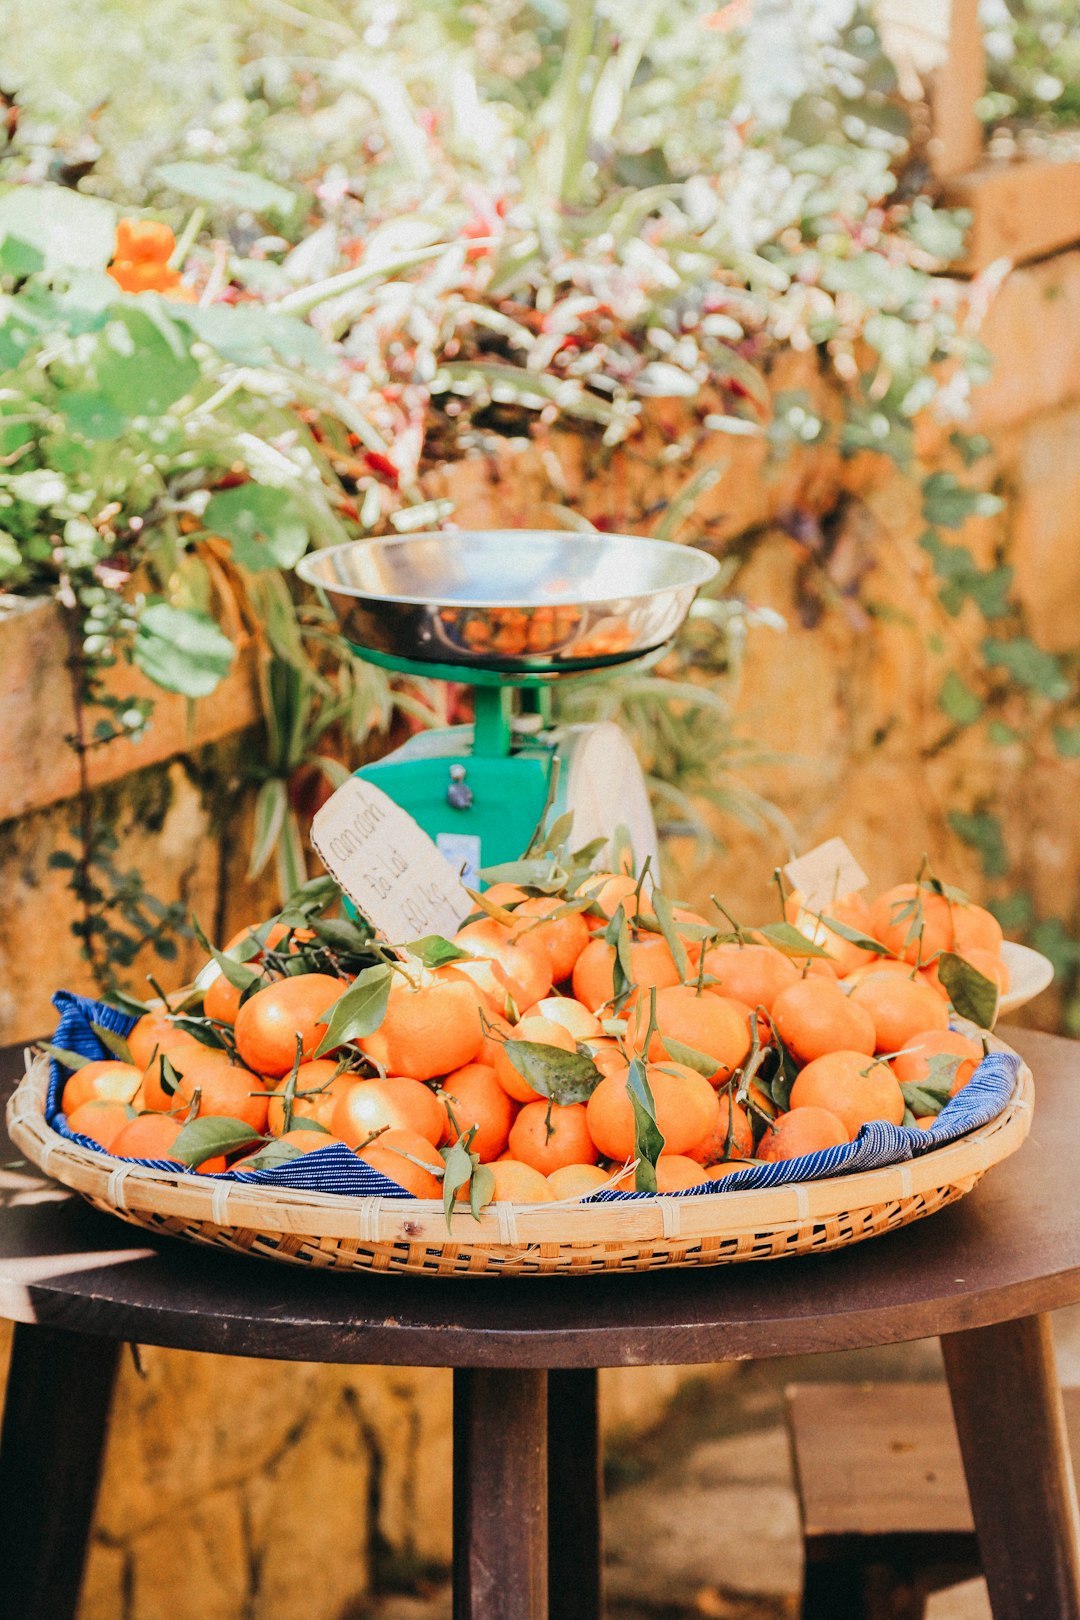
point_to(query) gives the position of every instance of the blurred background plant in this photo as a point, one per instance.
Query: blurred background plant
(402, 231)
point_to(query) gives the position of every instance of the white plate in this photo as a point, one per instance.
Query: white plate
(1029, 974)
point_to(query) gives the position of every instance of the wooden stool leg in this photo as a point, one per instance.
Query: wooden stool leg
(1011, 1423)
(55, 1413)
(500, 1494)
(575, 1496)
(834, 1587)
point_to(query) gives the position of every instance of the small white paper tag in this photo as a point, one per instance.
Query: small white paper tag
(387, 864)
(825, 873)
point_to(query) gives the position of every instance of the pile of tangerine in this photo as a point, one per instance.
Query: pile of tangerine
(840, 1027)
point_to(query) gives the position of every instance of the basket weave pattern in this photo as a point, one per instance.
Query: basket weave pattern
(410, 1235)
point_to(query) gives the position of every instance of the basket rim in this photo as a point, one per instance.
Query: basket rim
(128, 1187)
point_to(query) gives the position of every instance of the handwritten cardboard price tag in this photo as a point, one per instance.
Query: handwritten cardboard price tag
(825, 873)
(387, 864)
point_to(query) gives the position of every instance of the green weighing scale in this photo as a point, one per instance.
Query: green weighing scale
(510, 612)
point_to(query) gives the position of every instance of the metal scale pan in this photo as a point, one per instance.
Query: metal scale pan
(509, 602)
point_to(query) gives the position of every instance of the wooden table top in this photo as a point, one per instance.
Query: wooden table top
(1009, 1249)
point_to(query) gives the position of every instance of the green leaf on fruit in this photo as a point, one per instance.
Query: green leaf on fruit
(648, 1138)
(689, 1057)
(792, 941)
(238, 974)
(972, 994)
(209, 1137)
(562, 1077)
(114, 1043)
(435, 951)
(359, 1011)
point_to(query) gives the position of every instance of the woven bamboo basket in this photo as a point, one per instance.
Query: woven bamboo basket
(410, 1235)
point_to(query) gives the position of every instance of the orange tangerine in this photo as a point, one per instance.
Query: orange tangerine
(103, 1080)
(988, 963)
(324, 1085)
(427, 1031)
(686, 1109)
(393, 1155)
(813, 1017)
(651, 965)
(225, 1090)
(802, 1130)
(675, 1172)
(732, 1134)
(397, 1103)
(975, 928)
(911, 910)
(517, 1183)
(100, 1120)
(578, 1020)
(915, 1064)
(562, 940)
(221, 1000)
(195, 1058)
(269, 1022)
(716, 1026)
(549, 1136)
(754, 974)
(577, 1180)
(473, 1096)
(728, 1167)
(855, 1088)
(899, 1008)
(151, 1136)
(504, 894)
(156, 1032)
(500, 968)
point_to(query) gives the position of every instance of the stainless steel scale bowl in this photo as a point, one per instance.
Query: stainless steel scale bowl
(511, 612)
(517, 600)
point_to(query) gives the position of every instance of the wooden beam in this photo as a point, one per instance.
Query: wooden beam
(957, 140)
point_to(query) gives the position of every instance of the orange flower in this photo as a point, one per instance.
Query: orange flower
(141, 262)
(144, 239)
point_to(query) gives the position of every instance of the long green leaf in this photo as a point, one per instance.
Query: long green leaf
(360, 1010)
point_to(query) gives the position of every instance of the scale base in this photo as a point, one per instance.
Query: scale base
(589, 769)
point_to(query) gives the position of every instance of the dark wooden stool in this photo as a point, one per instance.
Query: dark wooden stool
(885, 1511)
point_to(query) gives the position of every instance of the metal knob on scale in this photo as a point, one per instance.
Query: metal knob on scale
(511, 613)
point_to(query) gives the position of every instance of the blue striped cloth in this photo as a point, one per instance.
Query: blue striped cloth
(337, 1169)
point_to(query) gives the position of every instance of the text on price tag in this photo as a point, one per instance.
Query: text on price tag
(387, 864)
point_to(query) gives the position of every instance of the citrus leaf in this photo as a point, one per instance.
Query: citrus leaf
(481, 1189)
(924, 1099)
(852, 935)
(563, 1077)
(791, 941)
(545, 875)
(689, 1057)
(551, 842)
(113, 1043)
(359, 1011)
(205, 1138)
(665, 916)
(66, 1059)
(239, 975)
(972, 994)
(435, 951)
(459, 1165)
(272, 1155)
(648, 1140)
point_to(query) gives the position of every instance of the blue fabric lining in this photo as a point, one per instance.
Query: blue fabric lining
(336, 1169)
